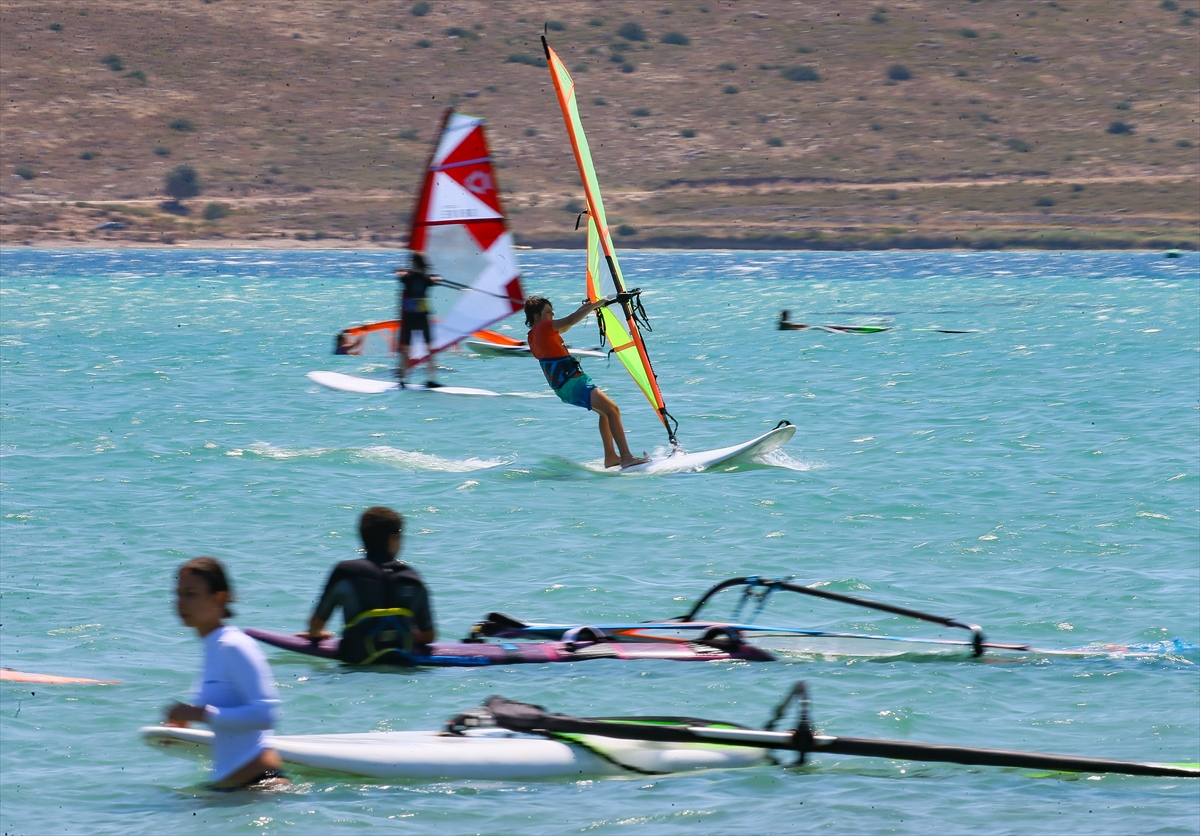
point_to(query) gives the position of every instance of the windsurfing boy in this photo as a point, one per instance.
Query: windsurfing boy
(414, 315)
(384, 602)
(566, 376)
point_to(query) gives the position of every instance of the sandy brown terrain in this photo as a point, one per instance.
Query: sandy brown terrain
(1052, 124)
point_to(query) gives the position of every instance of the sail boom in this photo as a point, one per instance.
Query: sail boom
(460, 165)
(473, 221)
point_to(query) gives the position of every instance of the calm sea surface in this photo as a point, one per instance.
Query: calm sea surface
(1039, 476)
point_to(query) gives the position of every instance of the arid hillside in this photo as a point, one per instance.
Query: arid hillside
(747, 123)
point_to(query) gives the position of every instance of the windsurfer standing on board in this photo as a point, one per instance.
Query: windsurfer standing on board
(566, 376)
(414, 314)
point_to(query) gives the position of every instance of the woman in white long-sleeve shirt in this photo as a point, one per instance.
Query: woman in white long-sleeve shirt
(236, 695)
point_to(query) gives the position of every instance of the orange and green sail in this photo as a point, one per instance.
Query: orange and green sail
(604, 278)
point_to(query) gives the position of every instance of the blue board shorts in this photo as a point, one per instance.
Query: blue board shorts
(577, 391)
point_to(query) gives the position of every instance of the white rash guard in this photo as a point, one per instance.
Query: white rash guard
(239, 699)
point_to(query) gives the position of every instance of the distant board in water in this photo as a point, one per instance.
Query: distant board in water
(840, 329)
(488, 754)
(9, 675)
(375, 386)
(684, 462)
(495, 344)
(476, 654)
(785, 324)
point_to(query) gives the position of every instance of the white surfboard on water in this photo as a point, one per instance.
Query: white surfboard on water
(683, 462)
(478, 754)
(489, 349)
(375, 386)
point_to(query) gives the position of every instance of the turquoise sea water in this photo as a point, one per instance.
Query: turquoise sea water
(1040, 476)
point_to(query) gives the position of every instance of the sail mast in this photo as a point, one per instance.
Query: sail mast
(422, 208)
(418, 212)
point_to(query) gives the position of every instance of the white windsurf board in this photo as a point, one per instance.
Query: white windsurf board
(374, 386)
(486, 349)
(478, 754)
(684, 462)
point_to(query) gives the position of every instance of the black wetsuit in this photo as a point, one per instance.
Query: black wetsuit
(414, 309)
(396, 594)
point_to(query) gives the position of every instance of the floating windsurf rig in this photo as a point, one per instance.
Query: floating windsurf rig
(751, 596)
(459, 225)
(786, 324)
(804, 740)
(577, 646)
(372, 339)
(505, 740)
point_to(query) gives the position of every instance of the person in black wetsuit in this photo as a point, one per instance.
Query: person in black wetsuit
(385, 605)
(414, 314)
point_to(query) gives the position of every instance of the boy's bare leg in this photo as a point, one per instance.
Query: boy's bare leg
(611, 458)
(610, 420)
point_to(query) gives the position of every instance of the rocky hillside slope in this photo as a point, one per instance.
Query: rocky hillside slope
(758, 123)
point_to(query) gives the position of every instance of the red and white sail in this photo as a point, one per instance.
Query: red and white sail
(459, 225)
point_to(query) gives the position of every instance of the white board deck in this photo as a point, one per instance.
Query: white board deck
(375, 386)
(765, 443)
(480, 754)
(487, 349)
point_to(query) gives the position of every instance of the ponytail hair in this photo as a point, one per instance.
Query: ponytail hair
(210, 570)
